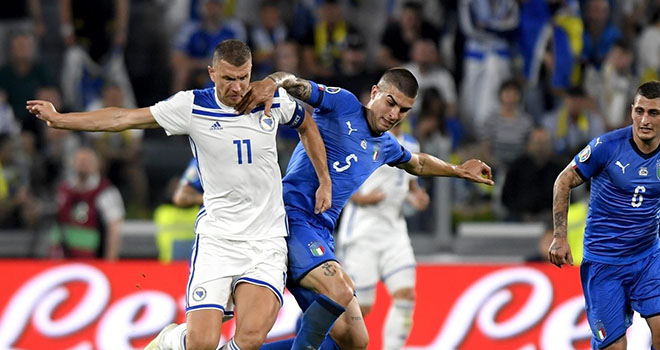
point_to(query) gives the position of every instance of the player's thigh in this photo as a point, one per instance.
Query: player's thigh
(208, 286)
(607, 302)
(645, 294)
(398, 266)
(309, 246)
(330, 279)
(349, 331)
(361, 264)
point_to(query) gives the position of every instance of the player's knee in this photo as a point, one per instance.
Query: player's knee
(197, 340)
(340, 292)
(250, 339)
(405, 294)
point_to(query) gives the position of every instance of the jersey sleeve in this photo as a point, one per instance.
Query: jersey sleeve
(287, 110)
(191, 177)
(395, 153)
(591, 159)
(175, 113)
(328, 98)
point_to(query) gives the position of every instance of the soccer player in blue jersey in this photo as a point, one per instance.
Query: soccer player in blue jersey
(356, 144)
(189, 191)
(620, 270)
(240, 251)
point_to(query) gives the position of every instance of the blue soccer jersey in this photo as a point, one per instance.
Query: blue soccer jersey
(353, 153)
(622, 222)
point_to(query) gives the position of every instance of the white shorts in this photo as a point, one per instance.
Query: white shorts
(218, 265)
(391, 260)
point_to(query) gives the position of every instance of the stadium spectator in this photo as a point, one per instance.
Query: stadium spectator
(90, 212)
(600, 33)
(573, 123)
(22, 77)
(18, 16)
(506, 129)
(265, 36)
(15, 197)
(648, 50)
(400, 35)
(537, 167)
(95, 34)
(195, 42)
(322, 47)
(430, 73)
(487, 57)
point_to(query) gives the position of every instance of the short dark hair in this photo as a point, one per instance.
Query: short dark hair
(402, 79)
(234, 52)
(510, 84)
(649, 89)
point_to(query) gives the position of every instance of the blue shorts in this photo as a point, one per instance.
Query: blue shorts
(310, 245)
(612, 292)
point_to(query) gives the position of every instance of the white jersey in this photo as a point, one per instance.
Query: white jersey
(237, 158)
(378, 221)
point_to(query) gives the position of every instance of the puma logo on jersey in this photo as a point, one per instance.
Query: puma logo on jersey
(623, 167)
(350, 128)
(598, 142)
(216, 126)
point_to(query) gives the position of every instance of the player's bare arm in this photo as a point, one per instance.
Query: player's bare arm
(311, 139)
(261, 92)
(559, 252)
(373, 197)
(186, 196)
(108, 119)
(423, 164)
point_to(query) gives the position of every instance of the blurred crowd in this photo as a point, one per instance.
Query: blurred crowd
(521, 84)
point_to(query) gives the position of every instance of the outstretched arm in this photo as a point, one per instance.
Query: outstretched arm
(560, 252)
(423, 164)
(186, 196)
(311, 139)
(262, 91)
(108, 119)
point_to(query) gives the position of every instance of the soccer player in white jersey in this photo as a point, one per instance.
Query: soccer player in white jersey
(373, 243)
(240, 253)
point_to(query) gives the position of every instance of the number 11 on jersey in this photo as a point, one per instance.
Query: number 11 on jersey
(239, 151)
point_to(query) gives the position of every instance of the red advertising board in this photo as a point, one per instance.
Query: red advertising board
(96, 305)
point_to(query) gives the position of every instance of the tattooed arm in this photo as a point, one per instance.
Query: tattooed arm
(262, 91)
(560, 252)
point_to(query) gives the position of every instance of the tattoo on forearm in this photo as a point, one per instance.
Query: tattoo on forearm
(328, 269)
(422, 163)
(566, 181)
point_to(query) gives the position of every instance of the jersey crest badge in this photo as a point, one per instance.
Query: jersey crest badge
(584, 154)
(376, 153)
(199, 294)
(266, 123)
(332, 89)
(657, 169)
(363, 144)
(316, 248)
(643, 171)
(599, 329)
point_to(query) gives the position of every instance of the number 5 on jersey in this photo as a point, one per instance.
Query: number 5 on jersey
(239, 151)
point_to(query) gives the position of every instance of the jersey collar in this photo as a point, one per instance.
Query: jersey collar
(642, 154)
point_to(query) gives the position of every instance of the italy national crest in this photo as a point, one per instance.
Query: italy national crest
(657, 169)
(316, 248)
(376, 152)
